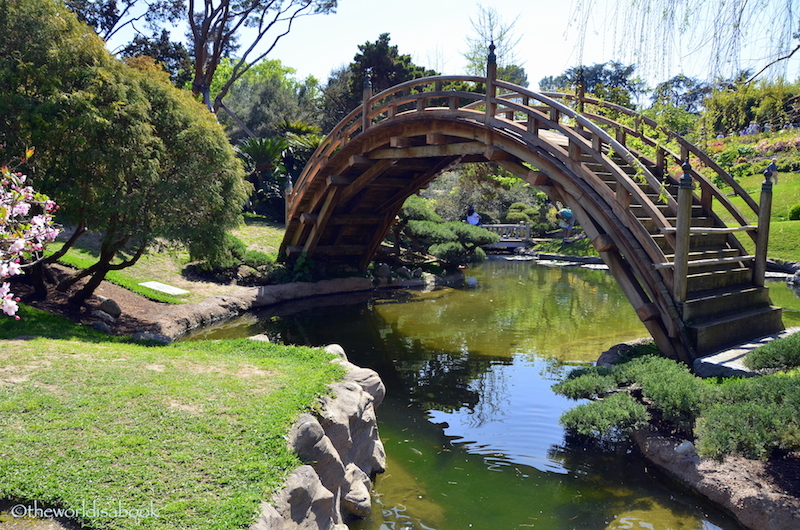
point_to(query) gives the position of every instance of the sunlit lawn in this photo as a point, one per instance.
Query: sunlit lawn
(194, 431)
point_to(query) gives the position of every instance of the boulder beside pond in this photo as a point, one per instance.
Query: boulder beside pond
(343, 453)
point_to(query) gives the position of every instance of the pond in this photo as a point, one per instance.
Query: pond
(470, 424)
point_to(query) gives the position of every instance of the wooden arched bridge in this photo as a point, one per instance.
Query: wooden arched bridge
(688, 274)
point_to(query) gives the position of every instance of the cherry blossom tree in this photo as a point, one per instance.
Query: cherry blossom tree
(26, 227)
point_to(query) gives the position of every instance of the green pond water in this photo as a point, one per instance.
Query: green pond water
(470, 424)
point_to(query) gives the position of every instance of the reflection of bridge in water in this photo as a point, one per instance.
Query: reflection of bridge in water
(688, 274)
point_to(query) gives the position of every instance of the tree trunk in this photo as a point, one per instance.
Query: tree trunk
(93, 283)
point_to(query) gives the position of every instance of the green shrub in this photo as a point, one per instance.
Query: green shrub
(419, 209)
(613, 418)
(518, 207)
(794, 213)
(586, 385)
(674, 391)
(429, 231)
(453, 253)
(749, 429)
(257, 259)
(781, 354)
(517, 217)
(228, 256)
(541, 229)
(472, 236)
(742, 170)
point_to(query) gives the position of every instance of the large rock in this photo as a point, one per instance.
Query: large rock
(111, 307)
(355, 495)
(736, 484)
(304, 503)
(309, 441)
(343, 451)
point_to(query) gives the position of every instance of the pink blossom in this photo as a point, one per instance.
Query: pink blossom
(10, 307)
(17, 246)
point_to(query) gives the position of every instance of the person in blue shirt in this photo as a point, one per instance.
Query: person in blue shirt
(566, 220)
(472, 217)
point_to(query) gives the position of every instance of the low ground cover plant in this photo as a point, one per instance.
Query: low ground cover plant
(190, 434)
(776, 355)
(753, 417)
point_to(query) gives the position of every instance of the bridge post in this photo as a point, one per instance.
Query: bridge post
(287, 198)
(581, 91)
(491, 88)
(366, 95)
(762, 236)
(682, 226)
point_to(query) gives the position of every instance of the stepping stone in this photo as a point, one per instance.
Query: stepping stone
(164, 288)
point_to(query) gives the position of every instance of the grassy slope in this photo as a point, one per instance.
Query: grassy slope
(195, 430)
(784, 234)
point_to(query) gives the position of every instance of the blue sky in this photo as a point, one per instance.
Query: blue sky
(434, 33)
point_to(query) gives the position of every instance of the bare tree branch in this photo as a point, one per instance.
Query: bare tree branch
(779, 59)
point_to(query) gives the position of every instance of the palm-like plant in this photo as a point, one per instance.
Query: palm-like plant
(263, 158)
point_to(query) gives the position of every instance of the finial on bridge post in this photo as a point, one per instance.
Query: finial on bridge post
(492, 58)
(686, 178)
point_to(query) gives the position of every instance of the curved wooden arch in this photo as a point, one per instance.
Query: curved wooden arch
(349, 194)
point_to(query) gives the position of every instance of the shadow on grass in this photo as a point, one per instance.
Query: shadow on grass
(36, 323)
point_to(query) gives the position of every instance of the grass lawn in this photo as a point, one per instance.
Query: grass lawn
(167, 265)
(193, 431)
(783, 234)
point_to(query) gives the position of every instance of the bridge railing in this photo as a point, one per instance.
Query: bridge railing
(708, 190)
(536, 110)
(450, 92)
(511, 232)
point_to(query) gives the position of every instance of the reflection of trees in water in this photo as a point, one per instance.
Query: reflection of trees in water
(436, 380)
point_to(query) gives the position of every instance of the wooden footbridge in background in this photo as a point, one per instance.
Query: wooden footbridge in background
(688, 274)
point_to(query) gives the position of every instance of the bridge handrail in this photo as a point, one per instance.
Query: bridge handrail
(631, 187)
(351, 123)
(687, 148)
(521, 231)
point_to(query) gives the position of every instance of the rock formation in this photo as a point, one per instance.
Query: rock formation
(342, 452)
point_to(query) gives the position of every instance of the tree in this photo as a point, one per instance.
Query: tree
(611, 81)
(716, 33)
(213, 24)
(108, 17)
(384, 64)
(173, 56)
(121, 149)
(732, 110)
(490, 28)
(453, 243)
(265, 96)
(336, 97)
(682, 92)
